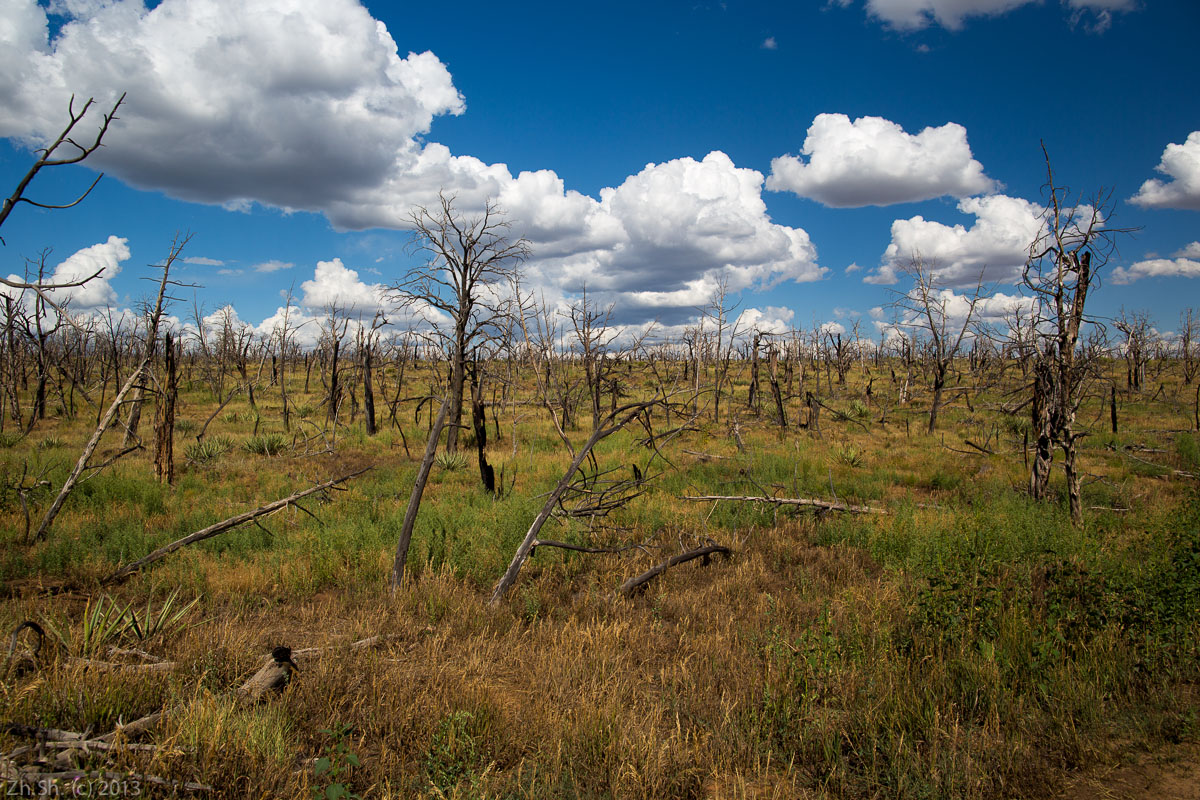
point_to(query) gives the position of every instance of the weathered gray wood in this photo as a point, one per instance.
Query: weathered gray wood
(607, 427)
(639, 582)
(825, 505)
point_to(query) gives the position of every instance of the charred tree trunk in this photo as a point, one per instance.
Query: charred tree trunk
(334, 398)
(752, 400)
(164, 423)
(368, 393)
(479, 420)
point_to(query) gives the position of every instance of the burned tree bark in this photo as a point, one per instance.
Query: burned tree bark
(164, 424)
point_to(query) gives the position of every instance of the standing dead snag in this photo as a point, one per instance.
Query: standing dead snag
(164, 424)
(468, 256)
(929, 308)
(1061, 269)
(616, 419)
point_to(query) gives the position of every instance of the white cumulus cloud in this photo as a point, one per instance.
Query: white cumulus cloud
(1181, 163)
(334, 285)
(293, 103)
(873, 161)
(1157, 268)
(996, 245)
(309, 105)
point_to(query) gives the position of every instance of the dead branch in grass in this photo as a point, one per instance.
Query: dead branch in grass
(823, 505)
(220, 527)
(638, 583)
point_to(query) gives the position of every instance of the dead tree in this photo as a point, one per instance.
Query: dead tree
(468, 256)
(1062, 266)
(725, 332)
(154, 316)
(592, 337)
(614, 421)
(164, 423)
(368, 341)
(1139, 339)
(935, 312)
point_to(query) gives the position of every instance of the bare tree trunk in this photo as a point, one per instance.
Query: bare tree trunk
(1071, 468)
(457, 379)
(752, 400)
(1039, 474)
(414, 500)
(939, 383)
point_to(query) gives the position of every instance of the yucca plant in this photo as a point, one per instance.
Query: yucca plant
(104, 621)
(450, 461)
(166, 618)
(267, 444)
(207, 450)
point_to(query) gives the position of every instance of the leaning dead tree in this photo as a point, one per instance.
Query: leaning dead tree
(614, 421)
(1064, 260)
(224, 525)
(638, 583)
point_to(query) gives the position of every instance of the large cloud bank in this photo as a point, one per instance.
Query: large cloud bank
(994, 248)
(309, 105)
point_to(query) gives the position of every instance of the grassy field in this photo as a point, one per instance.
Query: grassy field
(967, 643)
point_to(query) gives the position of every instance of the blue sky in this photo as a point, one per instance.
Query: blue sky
(802, 152)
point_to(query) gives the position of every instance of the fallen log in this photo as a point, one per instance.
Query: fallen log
(220, 527)
(807, 502)
(578, 548)
(639, 582)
